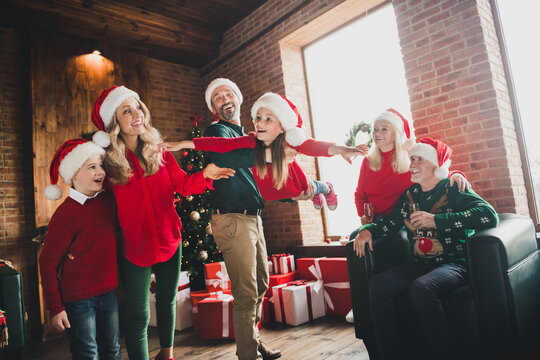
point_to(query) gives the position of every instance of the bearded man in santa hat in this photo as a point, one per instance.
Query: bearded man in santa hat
(439, 219)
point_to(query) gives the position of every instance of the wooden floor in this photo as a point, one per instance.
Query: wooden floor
(328, 338)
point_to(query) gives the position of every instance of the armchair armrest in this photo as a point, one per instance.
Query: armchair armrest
(504, 265)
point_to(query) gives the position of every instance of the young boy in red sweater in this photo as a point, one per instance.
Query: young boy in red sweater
(78, 261)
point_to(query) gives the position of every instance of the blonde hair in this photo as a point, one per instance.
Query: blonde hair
(400, 158)
(280, 168)
(116, 163)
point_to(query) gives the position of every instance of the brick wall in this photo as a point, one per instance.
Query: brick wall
(456, 82)
(17, 224)
(459, 94)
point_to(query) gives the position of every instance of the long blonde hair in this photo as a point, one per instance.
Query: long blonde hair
(280, 168)
(116, 163)
(400, 158)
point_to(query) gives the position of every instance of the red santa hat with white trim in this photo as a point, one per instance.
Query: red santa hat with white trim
(217, 83)
(287, 114)
(400, 123)
(69, 158)
(104, 108)
(436, 152)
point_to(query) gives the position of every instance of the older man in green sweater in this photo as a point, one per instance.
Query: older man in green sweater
(439, 219)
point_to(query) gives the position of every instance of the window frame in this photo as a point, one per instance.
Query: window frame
(531, 198)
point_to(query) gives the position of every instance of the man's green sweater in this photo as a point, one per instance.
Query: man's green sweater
(457, 217)
(239, 192)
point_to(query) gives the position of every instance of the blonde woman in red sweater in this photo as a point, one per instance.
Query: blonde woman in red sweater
(384, 176)
(144, 179)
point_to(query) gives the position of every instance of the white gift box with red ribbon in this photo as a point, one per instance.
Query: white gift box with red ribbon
(298, 302)
(283, 263)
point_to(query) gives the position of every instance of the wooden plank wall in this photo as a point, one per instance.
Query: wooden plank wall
(66, 80)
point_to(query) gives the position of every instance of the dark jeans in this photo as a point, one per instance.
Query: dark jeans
(425, 285)
(94, 327)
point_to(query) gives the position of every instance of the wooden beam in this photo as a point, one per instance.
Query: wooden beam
(165, 37)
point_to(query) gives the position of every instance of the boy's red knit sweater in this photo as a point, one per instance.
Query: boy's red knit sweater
(88, 232)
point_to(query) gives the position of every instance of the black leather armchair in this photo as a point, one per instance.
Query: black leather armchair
(495, 316)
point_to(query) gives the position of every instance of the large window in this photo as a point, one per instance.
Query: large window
(520, 26)
(353, 75)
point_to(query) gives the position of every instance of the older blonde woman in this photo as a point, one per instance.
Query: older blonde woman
(144, 179)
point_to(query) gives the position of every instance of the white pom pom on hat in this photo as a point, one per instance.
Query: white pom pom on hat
(217, 83)
(436, 152)
(67, 160)
(287, 114)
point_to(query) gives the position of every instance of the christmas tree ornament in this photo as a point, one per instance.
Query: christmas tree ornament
(199, 242)
(189, 198)
(202, 211)
(203, 255)
(209, 229)
(189, 167)
(185, 243)
(194, 215)
(184, 153)
(328, 240)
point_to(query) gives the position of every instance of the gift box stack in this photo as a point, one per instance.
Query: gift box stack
(183, 303)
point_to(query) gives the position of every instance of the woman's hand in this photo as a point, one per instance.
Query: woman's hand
(60, 321)
(423, 220)
(348, 153)
(290, 153)
(360, 241)
(306, 195)
(175, 146)
(215, 172)
(461, 181)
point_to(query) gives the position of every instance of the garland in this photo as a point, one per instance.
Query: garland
(351, 135)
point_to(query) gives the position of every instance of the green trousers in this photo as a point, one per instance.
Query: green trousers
(135, 281)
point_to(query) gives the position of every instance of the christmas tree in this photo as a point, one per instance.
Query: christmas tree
(198, 246)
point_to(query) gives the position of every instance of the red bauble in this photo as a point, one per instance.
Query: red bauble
(328, 240)
(184, 153)
(189, 167)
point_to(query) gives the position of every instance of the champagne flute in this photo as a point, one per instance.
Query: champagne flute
(369, 212)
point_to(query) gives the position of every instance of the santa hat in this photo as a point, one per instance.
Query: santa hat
(436, 152)
(217, 83)
(399, 123)
(287, 114)
(104, 108)
(67, 161)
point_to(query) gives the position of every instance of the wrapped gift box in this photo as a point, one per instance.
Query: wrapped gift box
(270, 266)
(336, 285)
(298, 302)
(277, 279)
(216, 276)
(196, 298)
(283, 263)
(183, 302)
(267, 314)
(216, 317)
(302, 266)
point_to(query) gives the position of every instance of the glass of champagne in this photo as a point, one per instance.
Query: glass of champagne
(369, 212)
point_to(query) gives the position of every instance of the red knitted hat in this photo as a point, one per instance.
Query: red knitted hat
(67, 161)
(436, 152)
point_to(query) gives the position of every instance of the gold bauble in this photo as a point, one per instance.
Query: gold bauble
(195, 216)
(203, 255)
(185, 243)
(209, 229)
(202, 211)
(199, 242)
(189, 198)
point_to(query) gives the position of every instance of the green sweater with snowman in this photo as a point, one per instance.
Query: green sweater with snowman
(457, 217)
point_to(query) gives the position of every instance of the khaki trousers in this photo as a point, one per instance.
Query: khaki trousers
(241, 240)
